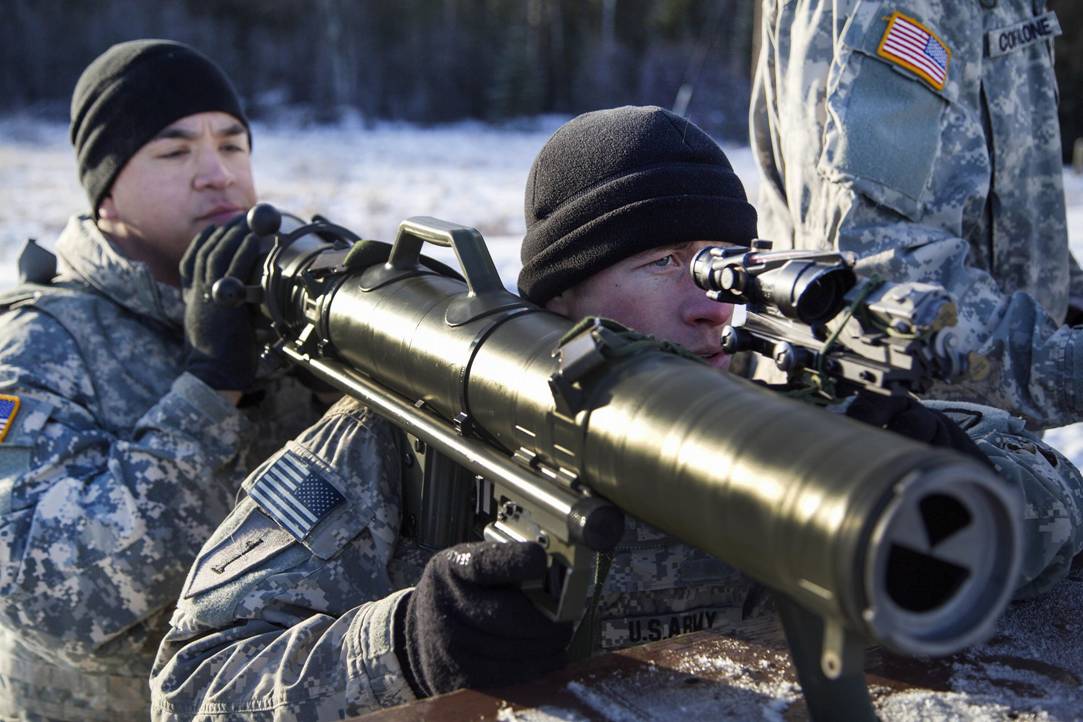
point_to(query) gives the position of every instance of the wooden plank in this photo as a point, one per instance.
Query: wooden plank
(1031, 669)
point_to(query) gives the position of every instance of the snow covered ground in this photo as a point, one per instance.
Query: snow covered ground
(367, 179)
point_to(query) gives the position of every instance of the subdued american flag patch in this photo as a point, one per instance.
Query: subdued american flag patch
(9, 406)
(295, 495)
(908, 43)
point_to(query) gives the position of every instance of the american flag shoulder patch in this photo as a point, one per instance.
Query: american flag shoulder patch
(295, 494)
(9, 407)
(911, 45)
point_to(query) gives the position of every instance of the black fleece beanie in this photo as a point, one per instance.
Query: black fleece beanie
(612, 183)
(129, 94)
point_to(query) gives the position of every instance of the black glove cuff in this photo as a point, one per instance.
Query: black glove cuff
(908, 417)
(404, 643)
(213, 374)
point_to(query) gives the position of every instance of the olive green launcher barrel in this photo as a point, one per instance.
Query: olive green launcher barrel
(914, 547)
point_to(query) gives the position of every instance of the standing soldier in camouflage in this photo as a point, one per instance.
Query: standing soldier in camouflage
(317, 621)
(124, 434)
(923, 136)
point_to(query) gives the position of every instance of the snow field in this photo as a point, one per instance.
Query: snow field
(367, 179)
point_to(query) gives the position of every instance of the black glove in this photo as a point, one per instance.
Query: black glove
(469, 624)
(221, 341)
(908, 417)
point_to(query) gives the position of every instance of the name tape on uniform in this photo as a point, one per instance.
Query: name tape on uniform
(1022, 35)
(911, 45)
(626, 631)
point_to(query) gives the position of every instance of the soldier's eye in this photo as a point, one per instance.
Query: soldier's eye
(663, 261)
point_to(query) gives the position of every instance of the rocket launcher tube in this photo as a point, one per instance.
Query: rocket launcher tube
(877, 536)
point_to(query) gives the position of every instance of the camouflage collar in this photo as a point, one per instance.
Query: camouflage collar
(87, 256)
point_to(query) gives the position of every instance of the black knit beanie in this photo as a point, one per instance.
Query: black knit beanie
(612, 183)
(132, 91)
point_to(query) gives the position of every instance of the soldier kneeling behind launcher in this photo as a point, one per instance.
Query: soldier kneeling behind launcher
(316, 616)
(124, 440)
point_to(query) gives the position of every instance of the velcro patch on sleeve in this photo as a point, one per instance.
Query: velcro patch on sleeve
(246, 549)
(9, 407)
(295, 494)
(911, 45)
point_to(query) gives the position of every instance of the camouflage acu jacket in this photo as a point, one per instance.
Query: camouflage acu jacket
(115, 466)
(289, 617)
(923, 135)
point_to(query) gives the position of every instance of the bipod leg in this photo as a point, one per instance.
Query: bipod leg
(830, 663)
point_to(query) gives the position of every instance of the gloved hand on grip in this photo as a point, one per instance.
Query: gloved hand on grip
(221, 341)
(908, 417)
(469, 624)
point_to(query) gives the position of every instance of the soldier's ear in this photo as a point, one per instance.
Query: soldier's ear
(561, 303)
(108, 209)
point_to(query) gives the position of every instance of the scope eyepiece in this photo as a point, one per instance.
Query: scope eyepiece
(811, 290)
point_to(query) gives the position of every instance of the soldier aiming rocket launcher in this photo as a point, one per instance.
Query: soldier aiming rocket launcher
(811, 317)
(545, 430)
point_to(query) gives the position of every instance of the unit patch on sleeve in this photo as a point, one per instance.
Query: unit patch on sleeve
(911, 45)
(9, 407)
(295, 495)
(1022, 35)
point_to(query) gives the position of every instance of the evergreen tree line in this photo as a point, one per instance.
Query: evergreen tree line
(431, 61)
(425, 61)
(1069, 67)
